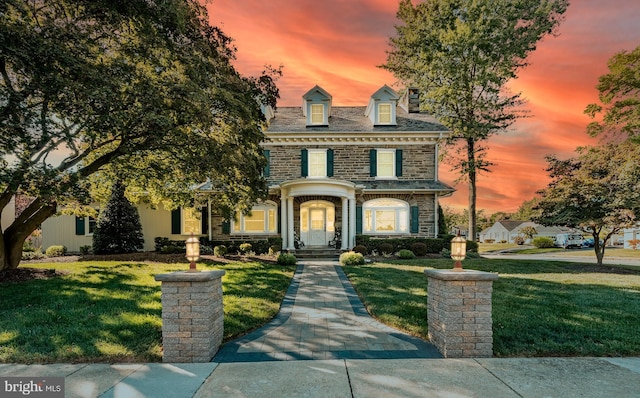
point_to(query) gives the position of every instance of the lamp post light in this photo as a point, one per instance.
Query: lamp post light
(193, 252)
(458, 251)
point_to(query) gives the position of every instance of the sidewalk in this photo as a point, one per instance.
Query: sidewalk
(324, 344)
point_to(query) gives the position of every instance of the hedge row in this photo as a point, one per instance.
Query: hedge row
(434, 245)
(166, 245)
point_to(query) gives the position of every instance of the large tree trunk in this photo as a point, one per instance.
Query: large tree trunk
(12, 239)
(471, 157)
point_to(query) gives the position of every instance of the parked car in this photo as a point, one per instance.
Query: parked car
(567, 240)
(588, 242)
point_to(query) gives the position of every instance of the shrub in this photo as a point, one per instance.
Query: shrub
(542, 242)
(419, 249)
(406, 254)
(55, 251)
(446, 253)
(519, 240)
(34, 255)
(471, 246)
(274, 250)
(86, 249)
(362, 249)
(489, 240)
(473, 255)
(245, 248)
(287, 259)
(385, 248)
(351, 258)
(172, 250)
(205, 250)
(220, 251)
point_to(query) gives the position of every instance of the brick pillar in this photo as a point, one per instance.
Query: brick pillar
(459, 312)
(192, 315)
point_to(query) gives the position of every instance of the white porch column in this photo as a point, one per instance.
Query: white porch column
(290, 238)
(283, 221)
(352, 223)
(344, 245)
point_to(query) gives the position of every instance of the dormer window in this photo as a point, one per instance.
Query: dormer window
(384, 113)
(316, 107)
(382, 107)
(317, 114)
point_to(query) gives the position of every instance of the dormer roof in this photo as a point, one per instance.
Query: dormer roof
(386, 97)
(316, 95)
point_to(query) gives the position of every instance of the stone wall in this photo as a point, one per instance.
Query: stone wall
(192, 315)
(459, 312)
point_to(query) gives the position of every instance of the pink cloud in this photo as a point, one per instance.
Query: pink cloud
(337, 44)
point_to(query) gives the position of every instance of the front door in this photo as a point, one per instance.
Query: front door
(318, 227)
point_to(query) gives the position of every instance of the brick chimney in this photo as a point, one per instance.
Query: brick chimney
(410, 100)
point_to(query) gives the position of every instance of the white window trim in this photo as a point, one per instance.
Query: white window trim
(371, 206)
(241, 221)
(393, 164)
(326, 166)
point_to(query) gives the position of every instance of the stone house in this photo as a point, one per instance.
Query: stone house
(333, 172)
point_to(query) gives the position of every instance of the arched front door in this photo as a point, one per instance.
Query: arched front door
(317, 223)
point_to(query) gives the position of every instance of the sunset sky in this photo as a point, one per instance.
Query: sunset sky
(337, 44)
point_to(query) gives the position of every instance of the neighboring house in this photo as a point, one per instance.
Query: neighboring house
(631, 234)
(508, 230)
(333, 172)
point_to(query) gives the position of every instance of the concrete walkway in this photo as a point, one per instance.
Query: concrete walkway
(361, 358)
(323, 318)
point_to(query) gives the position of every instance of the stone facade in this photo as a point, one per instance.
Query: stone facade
(351, 162)
(459, 312)
(192, 315)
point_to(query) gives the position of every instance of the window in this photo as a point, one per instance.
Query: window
(191, 223)
(317, 114)
(385, 163)
(384, 113)
(85, 225)
(386, 216)
(262, 219)
(317, 163)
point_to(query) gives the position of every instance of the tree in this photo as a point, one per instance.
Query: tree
(526, 211)
(598, 192)
(461, 54)
(139, 90)
(528, 232)
(442, 222)
(118, 229)
(619, 94)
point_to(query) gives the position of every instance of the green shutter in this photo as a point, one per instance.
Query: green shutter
(358, 220)
(330, 163)
(79, 225)
(267, 168)
(373, 163)
(304, 162)
(175, 222)
(204, 218)
(415, 225)
(226, 227)
(398, 162)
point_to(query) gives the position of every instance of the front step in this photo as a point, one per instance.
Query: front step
(327, 253)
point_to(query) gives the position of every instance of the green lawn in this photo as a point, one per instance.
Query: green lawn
(111, 312)
(540, 308)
